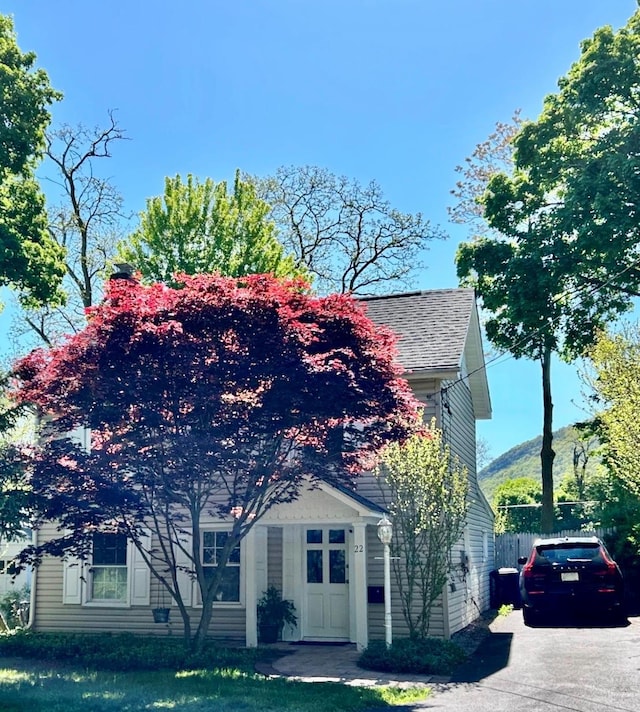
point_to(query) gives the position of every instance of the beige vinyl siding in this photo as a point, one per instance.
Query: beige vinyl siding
(471, 563)
(51, 614)
(467, 594)
(366, 484)
(274, 557)
(375, 611)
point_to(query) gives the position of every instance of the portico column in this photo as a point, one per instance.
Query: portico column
(358, 580)
(250, 592)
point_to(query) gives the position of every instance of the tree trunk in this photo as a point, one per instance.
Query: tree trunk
(200, 637)
(547, 454)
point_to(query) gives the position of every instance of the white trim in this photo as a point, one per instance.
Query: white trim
(251, 618)
(292, 588)
(358, 586)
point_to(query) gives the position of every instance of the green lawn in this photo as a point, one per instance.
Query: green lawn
(45, 688)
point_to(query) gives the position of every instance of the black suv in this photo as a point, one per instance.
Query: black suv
(574, 573)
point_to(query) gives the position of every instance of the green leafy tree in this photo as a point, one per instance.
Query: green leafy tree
(612, 371)
(584, 151)
(565, 259)
(517, 505)
(346, 235)
(30, 261)
(615, 361)
(202, 227)
(425, 491)
(16, 429)
(513, 272)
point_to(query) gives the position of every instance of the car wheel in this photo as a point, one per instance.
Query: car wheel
(530, 616)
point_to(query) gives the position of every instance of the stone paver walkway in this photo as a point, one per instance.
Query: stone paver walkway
(328, 663)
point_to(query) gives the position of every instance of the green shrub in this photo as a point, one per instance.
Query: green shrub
(124, 651)
(430, 656)
(14, 607)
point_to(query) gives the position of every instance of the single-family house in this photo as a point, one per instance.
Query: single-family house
(321, 551)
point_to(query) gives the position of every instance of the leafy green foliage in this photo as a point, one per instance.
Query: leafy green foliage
(124, 651)
(14, 607)
(30, 260)
(15, 493)
(425, 491)
(421, 656)
(615, 368)
(616, 381)
(565, 260)
(584, 151)
(272, 609)
(198, 228)
(510, 502)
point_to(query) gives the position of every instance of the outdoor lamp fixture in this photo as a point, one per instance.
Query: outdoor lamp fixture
(385, 531)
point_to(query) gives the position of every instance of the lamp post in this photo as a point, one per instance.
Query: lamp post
(385, 531)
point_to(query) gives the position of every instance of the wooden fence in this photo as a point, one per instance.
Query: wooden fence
(510, 546)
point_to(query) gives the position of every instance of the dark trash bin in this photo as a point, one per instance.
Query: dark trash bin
(504, 588)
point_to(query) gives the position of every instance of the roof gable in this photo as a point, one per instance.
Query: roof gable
(439, 335)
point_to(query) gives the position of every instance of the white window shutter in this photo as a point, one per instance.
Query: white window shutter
(72, 570)
(140, 574)
(185, 581)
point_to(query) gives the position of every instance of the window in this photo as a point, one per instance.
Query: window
(213, 542)
(109, 568)
(116, 574)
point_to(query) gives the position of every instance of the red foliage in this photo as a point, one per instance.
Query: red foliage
(243, 384)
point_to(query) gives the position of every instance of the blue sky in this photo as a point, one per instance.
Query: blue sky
(399, 91)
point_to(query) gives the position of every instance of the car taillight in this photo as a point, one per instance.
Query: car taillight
(609, 573)
(527, 569)
(531, 578)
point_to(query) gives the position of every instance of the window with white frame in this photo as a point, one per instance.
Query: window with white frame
(117, 573)
(109, 568)
(213, 542)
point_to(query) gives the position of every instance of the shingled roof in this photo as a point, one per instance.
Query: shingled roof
(439, 335)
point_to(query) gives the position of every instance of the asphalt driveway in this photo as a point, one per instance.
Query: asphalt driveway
(579, 665)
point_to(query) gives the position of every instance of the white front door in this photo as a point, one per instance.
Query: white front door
(327, 583)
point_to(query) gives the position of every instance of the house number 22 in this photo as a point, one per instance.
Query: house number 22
(358, 548)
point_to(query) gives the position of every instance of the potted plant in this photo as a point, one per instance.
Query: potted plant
(273, 612)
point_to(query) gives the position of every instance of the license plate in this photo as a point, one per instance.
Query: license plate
(570, 576)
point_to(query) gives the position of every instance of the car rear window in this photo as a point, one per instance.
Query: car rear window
(567, 554)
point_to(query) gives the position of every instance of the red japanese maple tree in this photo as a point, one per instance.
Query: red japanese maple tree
(219, 398)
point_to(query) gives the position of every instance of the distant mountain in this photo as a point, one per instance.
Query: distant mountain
(524, 461)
